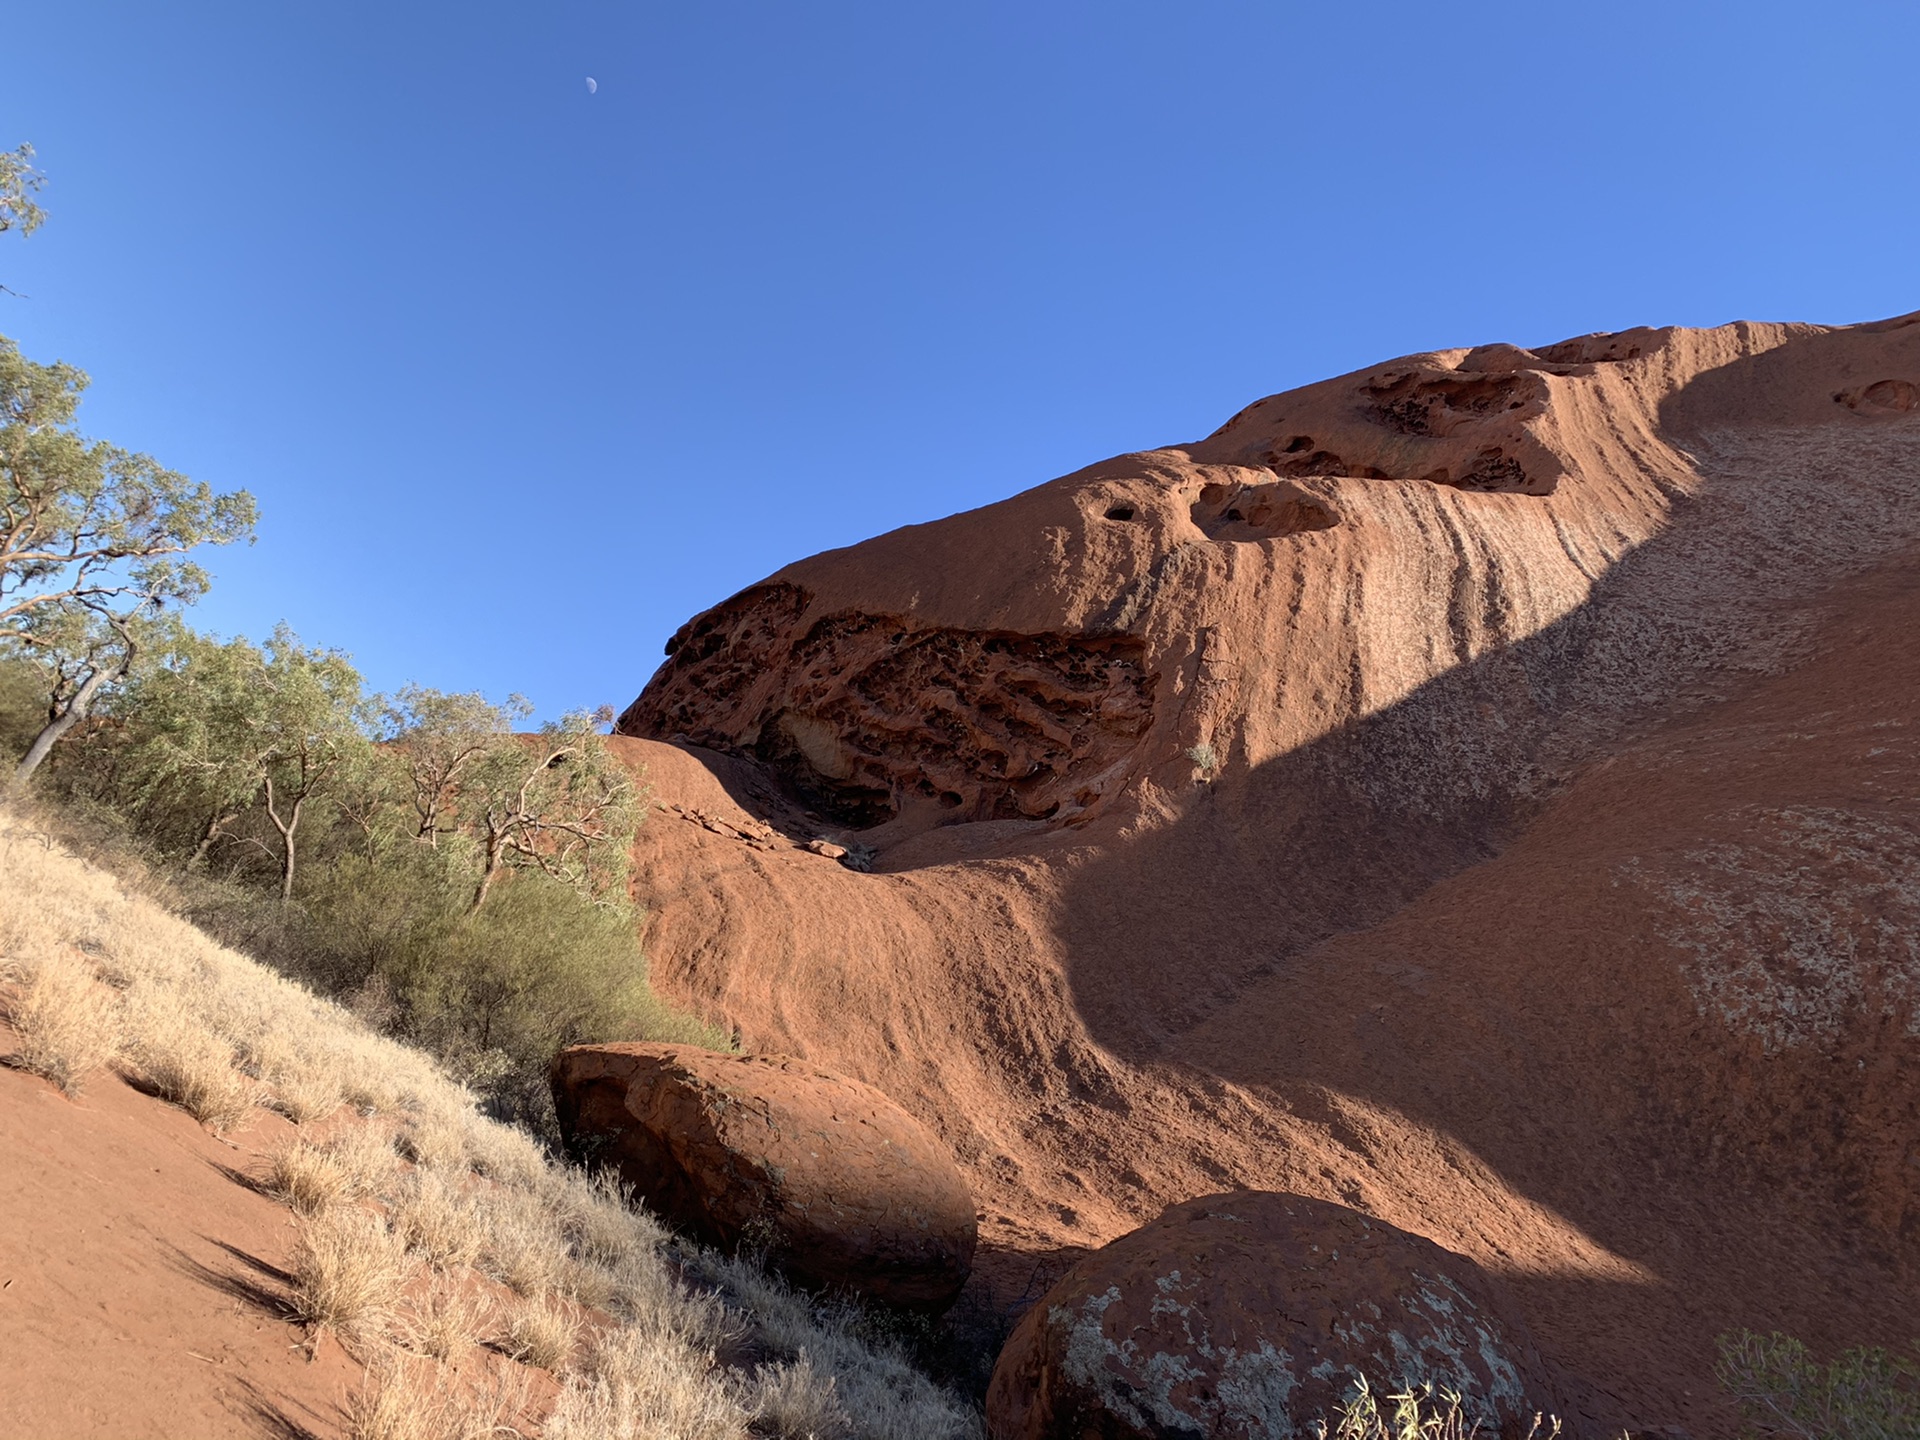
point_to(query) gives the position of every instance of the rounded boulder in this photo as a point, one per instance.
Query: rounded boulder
(1250, 1316)
(841, 1187)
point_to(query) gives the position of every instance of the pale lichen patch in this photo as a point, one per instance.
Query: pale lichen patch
(1809, 923)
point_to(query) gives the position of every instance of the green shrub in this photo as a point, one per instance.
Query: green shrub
(1867, 1394)
(492, 994)
(23, 706)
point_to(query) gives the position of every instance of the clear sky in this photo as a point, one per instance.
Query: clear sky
(524, 376)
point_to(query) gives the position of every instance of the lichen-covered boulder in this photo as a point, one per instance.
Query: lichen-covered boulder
(1249, 1316)
(840, 1186)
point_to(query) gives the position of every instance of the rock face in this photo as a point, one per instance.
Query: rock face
(842, 1187)
(1249, 1316)
(1478, 789)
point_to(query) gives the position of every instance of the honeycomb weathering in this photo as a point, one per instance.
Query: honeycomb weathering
(866, 714)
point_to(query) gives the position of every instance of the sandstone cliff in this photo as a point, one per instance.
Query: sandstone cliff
(1478, 789)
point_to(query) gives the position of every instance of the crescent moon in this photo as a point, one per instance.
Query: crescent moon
(593, 85)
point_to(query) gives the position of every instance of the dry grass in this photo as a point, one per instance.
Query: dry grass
(446, 1318)
(507, 1155)
(438, 1218)
(601, 1219)
(309, 1178)
(349, 1272)
(305, 1178)
(796, 1402)
(543, 1332)
(409, 1399)
(637, 1386)
(1418, 1412)
(218, 1032)
(435, 1138)
(67, 1021)
(304, 1087)
(524, 1250)
(184, 1062)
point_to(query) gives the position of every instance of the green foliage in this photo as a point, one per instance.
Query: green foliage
(93, 538)
(19, 183)
(221, 733)
(556, 802)
(462, 885)
(87, 524)
(23, 705)
(1866, 1394)
(466, 883)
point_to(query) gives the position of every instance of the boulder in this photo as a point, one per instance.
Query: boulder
(842, 1188)
(1249, 1316)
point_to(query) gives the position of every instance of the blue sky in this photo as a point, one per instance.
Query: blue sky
(523, 376)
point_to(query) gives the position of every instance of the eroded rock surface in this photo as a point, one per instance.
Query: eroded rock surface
(1479, 790)
(841, 1187)
(1250, 1316)
(865, 713)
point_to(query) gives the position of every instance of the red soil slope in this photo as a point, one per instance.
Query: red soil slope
(1553, 891)
(140, 1286)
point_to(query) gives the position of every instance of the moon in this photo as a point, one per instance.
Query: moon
(593, 85)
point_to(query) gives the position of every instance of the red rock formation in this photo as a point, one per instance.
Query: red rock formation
(842, 1187)
(1550, 892)
(1250, 1315)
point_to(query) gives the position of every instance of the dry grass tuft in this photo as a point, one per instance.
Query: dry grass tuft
(186, 1063)
(508, 1156)
(600, 1218)
(303, 1097)
(308, 1177)
(349, 1271)
(305, 1178)
(543, 1332)
(796, 1402)
(444, 1320)
(305, 1081)
(68, 1022)
(523, 1248)
(1418, 1412)
(436, 1139)
(437, 1218)
(588, 1284)
(636, 1388)
(410, 1399)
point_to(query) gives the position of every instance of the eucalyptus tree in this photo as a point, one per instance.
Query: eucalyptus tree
(440, 740)
(19, 183)
(93, 538)
(557, 801)
(245, 740)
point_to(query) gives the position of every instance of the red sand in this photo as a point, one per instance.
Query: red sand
(139, 1283)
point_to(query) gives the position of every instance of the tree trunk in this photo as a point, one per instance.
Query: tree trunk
(496, 847)
(69, 716)
(286, 828)
(206, 840)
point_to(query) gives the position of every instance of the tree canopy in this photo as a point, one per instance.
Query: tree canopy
(19, 183)
(93, 539)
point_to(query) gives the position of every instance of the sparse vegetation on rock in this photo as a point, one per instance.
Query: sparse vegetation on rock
(1868, 1393)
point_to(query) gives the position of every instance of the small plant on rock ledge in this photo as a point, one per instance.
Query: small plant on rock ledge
(1867, 1394)
(1204, 759)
